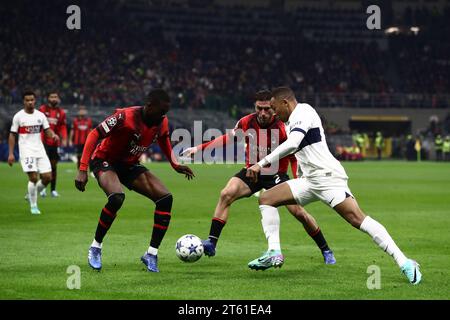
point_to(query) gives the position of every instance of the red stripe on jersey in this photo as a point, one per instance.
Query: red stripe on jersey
(30, 129)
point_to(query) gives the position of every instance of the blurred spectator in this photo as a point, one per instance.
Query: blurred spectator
(107, 64)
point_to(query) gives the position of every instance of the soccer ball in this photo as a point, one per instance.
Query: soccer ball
(189, 248)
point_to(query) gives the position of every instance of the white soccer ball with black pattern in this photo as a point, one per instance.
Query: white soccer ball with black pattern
(189, 248)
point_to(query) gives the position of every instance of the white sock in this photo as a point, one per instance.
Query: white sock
(40, 186)
(152, 251)
(382, 238)
(271, 226)
(32, 193)
(96, 244)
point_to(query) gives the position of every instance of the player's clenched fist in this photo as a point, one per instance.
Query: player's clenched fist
(253, 172)
(81, 180)
(11, 159)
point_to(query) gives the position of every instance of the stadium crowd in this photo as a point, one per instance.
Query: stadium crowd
(114, 60)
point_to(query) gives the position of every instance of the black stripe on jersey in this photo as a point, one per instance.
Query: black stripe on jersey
(311, 137)
(298, 129)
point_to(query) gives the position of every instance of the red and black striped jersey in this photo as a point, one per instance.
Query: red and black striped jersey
(261, 141)
(81, 128)
(126, 137)
(57, 120)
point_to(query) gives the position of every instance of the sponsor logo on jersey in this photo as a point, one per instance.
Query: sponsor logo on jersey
(136, 149)
(52, 121)
(82, 127)
(30, 129)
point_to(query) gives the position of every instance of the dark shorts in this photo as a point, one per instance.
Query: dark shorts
(79, 149)
(264, 181)
(52, 152)
(127, 173)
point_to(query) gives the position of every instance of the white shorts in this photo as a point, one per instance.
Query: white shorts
(331, 191)
(33, 164)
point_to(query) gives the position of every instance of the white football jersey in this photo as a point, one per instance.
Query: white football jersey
(28, 127)
(313, 156)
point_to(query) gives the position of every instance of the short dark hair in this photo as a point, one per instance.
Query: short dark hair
(283, 93)
(157, 97)
(28, 92)
(263, 95)
(52, 91)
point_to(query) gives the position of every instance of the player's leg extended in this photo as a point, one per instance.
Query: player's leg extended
(110, 184)
(313, 230)
(150, 186)
(234, 190)
(268, 202)
(351, 212)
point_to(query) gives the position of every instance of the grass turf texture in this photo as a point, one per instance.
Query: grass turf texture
(410, 199)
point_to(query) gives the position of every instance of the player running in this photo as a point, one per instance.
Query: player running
(57, 120)
(323, 179)
(81, 126)
(28, 124)
(239, 186)
(115, 161)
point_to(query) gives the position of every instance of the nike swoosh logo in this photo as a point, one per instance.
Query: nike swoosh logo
(415, 279)
(331, 201)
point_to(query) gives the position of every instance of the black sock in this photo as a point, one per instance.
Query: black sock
(53, 182)
(320, 240)
(108, 215)
(104, 223)
(161, 220)
(216, 228)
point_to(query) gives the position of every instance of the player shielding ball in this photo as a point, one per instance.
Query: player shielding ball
(57, 119)
(115, 161)
(262, 122)
(323, 178)
(28, 125)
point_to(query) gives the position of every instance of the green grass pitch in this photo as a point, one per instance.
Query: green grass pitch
(412, 200)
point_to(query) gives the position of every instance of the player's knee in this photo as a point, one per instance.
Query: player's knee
(33, 179)
(115, 201)
(228, 195)
(164, 203)
(355, 218)
(265, 200)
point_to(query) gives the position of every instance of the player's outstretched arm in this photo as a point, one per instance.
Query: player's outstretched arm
(11, 144)
(217, 142)
(82, 177)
